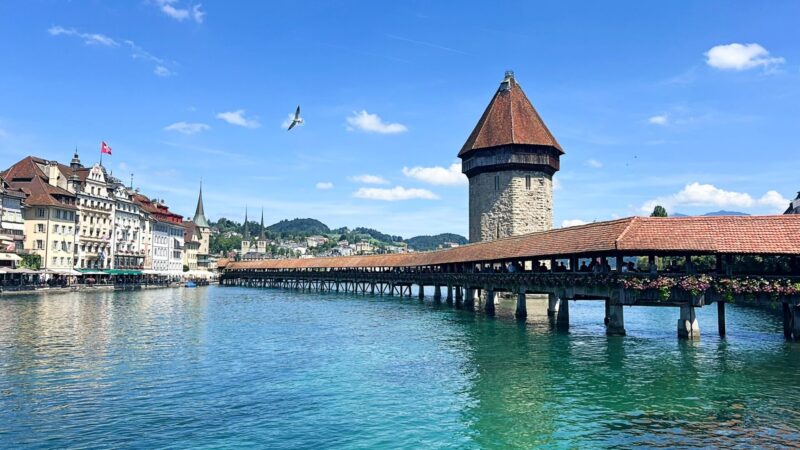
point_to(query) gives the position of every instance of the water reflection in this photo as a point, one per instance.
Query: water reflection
(226, 367)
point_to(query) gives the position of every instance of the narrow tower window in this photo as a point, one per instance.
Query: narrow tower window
(528, 182)
(497, 182)
(497, 233)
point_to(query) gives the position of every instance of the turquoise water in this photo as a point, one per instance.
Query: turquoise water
(241, 368)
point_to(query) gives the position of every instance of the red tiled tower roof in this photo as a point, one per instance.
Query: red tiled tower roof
(509, 119)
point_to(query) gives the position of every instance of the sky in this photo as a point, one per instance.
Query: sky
(692, 105)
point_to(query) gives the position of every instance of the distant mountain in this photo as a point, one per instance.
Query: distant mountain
(423, 243)
(711, 214)
(299, 226)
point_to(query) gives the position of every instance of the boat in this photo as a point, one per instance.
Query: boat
(190, 284)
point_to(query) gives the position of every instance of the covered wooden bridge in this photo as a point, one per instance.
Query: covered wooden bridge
(686, 262)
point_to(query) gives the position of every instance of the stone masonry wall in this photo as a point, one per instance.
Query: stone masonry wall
(512, 209)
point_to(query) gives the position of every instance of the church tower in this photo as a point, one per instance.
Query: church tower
(245, 236)
(261, 244)
(203, 227)
(510, 159)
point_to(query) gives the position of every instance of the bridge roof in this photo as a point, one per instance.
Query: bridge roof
(758, 235)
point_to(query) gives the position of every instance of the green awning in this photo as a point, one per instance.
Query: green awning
(123, 272)
(92, 272)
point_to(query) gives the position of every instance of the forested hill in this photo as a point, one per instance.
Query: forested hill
(423, 243)
(300, 227)
(229, 236)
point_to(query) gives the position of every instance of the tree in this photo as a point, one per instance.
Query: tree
(31, 261)
(185, 268)
(659, 211)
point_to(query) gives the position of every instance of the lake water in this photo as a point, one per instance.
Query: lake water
(220, 367)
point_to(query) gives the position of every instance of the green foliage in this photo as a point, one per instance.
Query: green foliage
(185, 268)
(659, 211)
(220, 244)
(423, 243)
(296, 227)
(31, 261)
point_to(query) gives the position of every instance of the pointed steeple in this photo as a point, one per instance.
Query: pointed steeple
(199, 213)
(262, 236)
(510, 119)
(246, 228)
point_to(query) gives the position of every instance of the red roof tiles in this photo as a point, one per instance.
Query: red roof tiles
(776, 235)
(509, 119)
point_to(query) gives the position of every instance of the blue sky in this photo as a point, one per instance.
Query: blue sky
(650, 101)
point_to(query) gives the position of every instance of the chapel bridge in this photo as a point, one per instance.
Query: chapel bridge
(709, 250)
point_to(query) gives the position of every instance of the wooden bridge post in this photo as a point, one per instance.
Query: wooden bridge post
(615, 325)
(449, 294)
(437, 293)
(421, 293)
(489, 306)
(469, 298)
(688, 327)
(721, 318)
(791, 321)
(459, 297)
(522, 307)
(787, 319)
(552, 305)
(562, 314)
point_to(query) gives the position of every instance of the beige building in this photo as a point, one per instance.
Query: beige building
(510, 159)
(131, 230)
(96, 205)
(191, 245)
(50, 211)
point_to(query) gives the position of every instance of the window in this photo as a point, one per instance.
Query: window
(55, 245)
(40, 228)
(528, 182)
(39, 212)
(40, 244)
(497, 182)
(55, 228)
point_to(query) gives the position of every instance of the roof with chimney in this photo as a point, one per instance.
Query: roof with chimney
(29, 175)
(509, 119)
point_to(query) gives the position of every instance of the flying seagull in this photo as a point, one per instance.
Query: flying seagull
(297, 119)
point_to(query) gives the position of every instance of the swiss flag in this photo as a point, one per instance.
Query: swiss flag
(105, 148)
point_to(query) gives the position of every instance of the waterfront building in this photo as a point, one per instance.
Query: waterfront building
(191, 245)
(167, 236)
(49, 213)
(130, 227)
(510, 159)
(794, 206)
(12, 225)
(364, 248)
(96, 211)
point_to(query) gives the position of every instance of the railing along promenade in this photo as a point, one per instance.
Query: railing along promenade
(553, 263)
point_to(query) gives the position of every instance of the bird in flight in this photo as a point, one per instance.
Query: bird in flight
(296, 120)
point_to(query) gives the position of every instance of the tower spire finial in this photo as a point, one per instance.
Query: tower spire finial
(246, 233)
(262, 236)
(200, 213)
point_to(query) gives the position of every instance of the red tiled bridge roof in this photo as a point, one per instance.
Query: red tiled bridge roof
(764, 235)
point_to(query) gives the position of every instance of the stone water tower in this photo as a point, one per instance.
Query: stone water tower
(510, 159)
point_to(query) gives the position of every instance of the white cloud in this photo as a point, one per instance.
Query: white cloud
(237, 118)
(594, 163)
(162, 71)
(369, 179)
(660, 119)
(324, 185)
(179, 13)
(394, 194)
(696, 194)
(741, 57)
(187, 128)
(442, 176)
(572, 223)
(88, 38)
(372, 123)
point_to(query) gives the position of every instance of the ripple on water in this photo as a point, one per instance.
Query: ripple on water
(228, 367)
